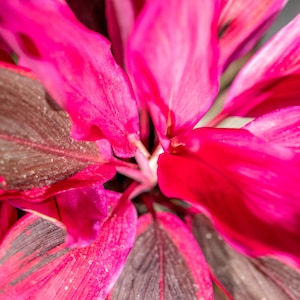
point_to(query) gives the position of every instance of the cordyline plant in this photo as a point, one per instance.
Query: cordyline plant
(120, 208)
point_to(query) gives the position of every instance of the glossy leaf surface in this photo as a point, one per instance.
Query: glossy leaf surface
(76, 67)
(172, 59)
(270, 80)
(121, 16)
(35, 263)
(241, 25)
(248, 187)
(165, 263)
(281, 127)
(245, 277)
(81, 211)
(36, 149)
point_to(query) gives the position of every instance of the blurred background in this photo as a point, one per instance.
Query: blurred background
(290, 11)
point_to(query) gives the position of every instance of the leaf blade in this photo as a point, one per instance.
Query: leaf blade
(34, 252)
(171, 57)
(236, 178)
(79, 71)
(241, 25)
(164, 251)
(245, 277)
(36, 147)
(265, 85)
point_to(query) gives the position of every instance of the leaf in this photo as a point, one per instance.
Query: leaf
(248, 187)
(121, 16)
(81, 211)
(77, 68)
(36, 149)
(281, 126)
(36, 264)
(245, 277)
(8, 216)
(165, 263)
(242, 24)
(172, 58)
(264, 85)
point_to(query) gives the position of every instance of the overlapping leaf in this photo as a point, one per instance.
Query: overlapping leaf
(36, 148)
(121, 16)
(270, 80)
(172, 58)
(281, 127)
(35, 263)
(81, 211)
(247, 186)
(245, 277)
(165, 263)
(76, 67)
(242, 23)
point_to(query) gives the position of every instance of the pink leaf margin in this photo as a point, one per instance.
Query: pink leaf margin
(257, 82)
(243, 23)
(77, 68)
(172, 58)
(81, 273)
(186, 245)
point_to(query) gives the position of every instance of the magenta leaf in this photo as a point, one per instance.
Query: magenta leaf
(264, 84)
(77, 68)
(172, 58)
(241, 25)
(81, 211)
(248, 187)
(36, 149)
(8, 216)
(281, 127)
(242, 276)
(121, 16)
(36, 264)
(165, 263)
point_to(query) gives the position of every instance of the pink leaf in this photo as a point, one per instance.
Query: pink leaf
(81, 211)
(8, 216)
(172, 56)
(121, 16)
(267, 84)
(281, 127)
(77, 68)
(36, 264)
(165, 263)
(248, 187)
(245, 277)
(241, 25)
(36, 149)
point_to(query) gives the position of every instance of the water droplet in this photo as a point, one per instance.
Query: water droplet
(208, 235)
